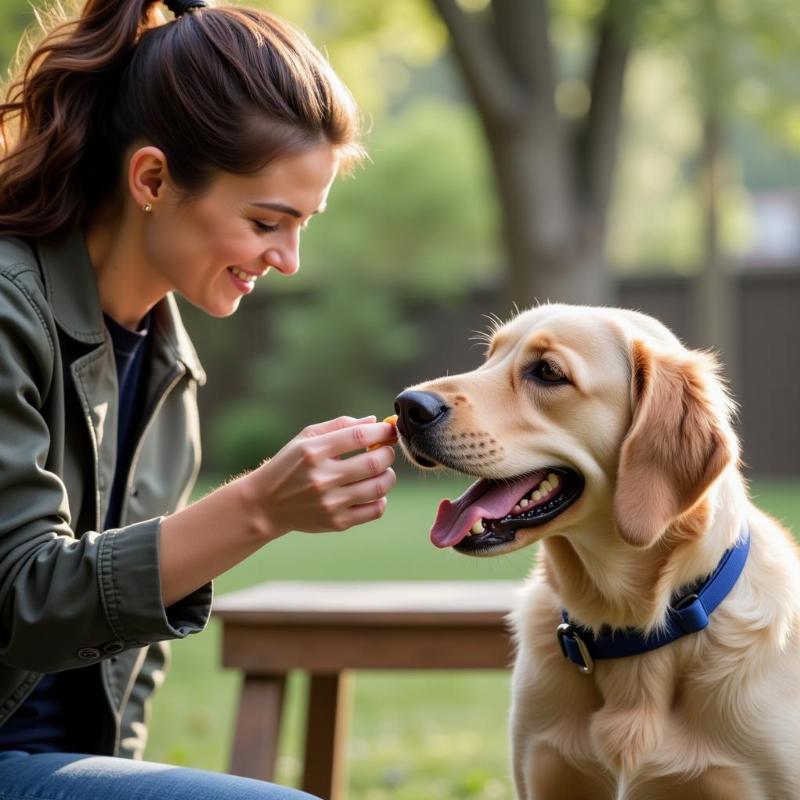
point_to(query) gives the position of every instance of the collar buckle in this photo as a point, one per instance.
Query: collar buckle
(685, 602)
(566, 632)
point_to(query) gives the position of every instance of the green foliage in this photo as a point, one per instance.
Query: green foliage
(243, 434)
(372, 45)
(742, 56)
(766, 163)
(15, 16)
(422, 216)
(332, 356)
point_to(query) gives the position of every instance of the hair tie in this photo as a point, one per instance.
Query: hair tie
(180, 7)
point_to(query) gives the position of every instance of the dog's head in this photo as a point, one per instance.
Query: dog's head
(577, 414)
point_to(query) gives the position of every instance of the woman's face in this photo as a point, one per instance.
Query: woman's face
(211, 249)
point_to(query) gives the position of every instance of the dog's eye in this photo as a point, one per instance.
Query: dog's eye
(547, 372)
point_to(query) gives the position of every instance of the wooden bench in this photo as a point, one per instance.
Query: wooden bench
(330, 628)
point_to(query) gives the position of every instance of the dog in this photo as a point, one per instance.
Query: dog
(594, 431)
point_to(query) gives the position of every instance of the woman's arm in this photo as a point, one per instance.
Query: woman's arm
(307, 486)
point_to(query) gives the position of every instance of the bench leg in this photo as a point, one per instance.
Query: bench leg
(258, 723)
(326, 735)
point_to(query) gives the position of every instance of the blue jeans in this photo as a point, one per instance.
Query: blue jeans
(71, 776)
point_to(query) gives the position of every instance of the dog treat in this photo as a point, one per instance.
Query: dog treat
(392, 420)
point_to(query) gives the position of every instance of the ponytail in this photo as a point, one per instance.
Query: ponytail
(225, 89)
(53, 104)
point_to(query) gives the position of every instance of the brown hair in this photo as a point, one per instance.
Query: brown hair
(217, 89)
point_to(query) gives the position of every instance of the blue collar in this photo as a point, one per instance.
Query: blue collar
(688, 615)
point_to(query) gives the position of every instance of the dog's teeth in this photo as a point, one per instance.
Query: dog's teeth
(524, 503)
(553, 480)
(546, 487)
(477, 527)
(517, 509)
(537, 496)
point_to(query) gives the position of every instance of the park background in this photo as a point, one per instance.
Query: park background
(636, 152)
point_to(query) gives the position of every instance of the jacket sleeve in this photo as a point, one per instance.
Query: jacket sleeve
(65, 600)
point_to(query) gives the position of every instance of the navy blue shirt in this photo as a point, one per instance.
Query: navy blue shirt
(129, 353)
(46, 720)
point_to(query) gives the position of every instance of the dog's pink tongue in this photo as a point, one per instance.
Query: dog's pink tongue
(483, 500)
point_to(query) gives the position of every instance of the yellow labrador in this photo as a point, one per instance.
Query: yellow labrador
(596, 432)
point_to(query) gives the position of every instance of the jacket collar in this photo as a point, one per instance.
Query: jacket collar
(71, 287)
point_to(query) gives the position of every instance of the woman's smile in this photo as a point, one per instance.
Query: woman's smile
(244, 281)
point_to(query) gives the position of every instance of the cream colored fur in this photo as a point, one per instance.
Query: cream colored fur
(647, 424)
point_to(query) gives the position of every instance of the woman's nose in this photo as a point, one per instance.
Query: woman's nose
(284, 259)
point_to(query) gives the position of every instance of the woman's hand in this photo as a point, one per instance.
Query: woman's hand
(309, 485)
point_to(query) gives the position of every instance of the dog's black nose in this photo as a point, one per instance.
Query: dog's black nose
(418, 411)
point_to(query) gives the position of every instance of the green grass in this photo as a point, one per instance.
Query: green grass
(412, 735)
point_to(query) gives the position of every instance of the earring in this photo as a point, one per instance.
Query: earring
(147, 208)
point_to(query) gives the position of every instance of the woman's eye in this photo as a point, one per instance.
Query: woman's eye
(546, 372)
(264, 227)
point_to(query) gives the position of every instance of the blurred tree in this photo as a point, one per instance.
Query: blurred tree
(421, 218)
(554, 170)
(733, 47)
(554, 180)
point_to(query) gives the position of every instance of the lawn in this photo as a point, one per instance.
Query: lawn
(413, 735)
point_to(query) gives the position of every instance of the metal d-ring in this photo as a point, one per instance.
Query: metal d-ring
(568, 630)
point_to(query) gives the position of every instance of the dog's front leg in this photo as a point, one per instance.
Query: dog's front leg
(716, 783)
(543, 774)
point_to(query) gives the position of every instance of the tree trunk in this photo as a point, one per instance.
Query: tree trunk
(552, 253)
(715, 301)
(553, 186)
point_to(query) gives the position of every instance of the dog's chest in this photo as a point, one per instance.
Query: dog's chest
(649, 715)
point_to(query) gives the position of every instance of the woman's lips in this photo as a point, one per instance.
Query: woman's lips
(244, 286)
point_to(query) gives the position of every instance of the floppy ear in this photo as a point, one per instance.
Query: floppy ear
(678, 444)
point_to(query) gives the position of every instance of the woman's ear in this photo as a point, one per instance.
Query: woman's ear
(678, 444)
(147, 173)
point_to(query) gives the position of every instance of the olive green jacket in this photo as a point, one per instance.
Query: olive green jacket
(72, 594)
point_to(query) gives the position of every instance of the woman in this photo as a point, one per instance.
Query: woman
(145, 157)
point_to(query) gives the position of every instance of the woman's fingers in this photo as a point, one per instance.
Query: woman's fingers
(340, 423)
(356, 437)
(366, 512)
(312, 487)
(367, 465)
(346, 500)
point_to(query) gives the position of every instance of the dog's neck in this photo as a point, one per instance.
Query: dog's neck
(602, 581)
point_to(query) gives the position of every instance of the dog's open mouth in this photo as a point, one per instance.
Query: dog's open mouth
(490, 512)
